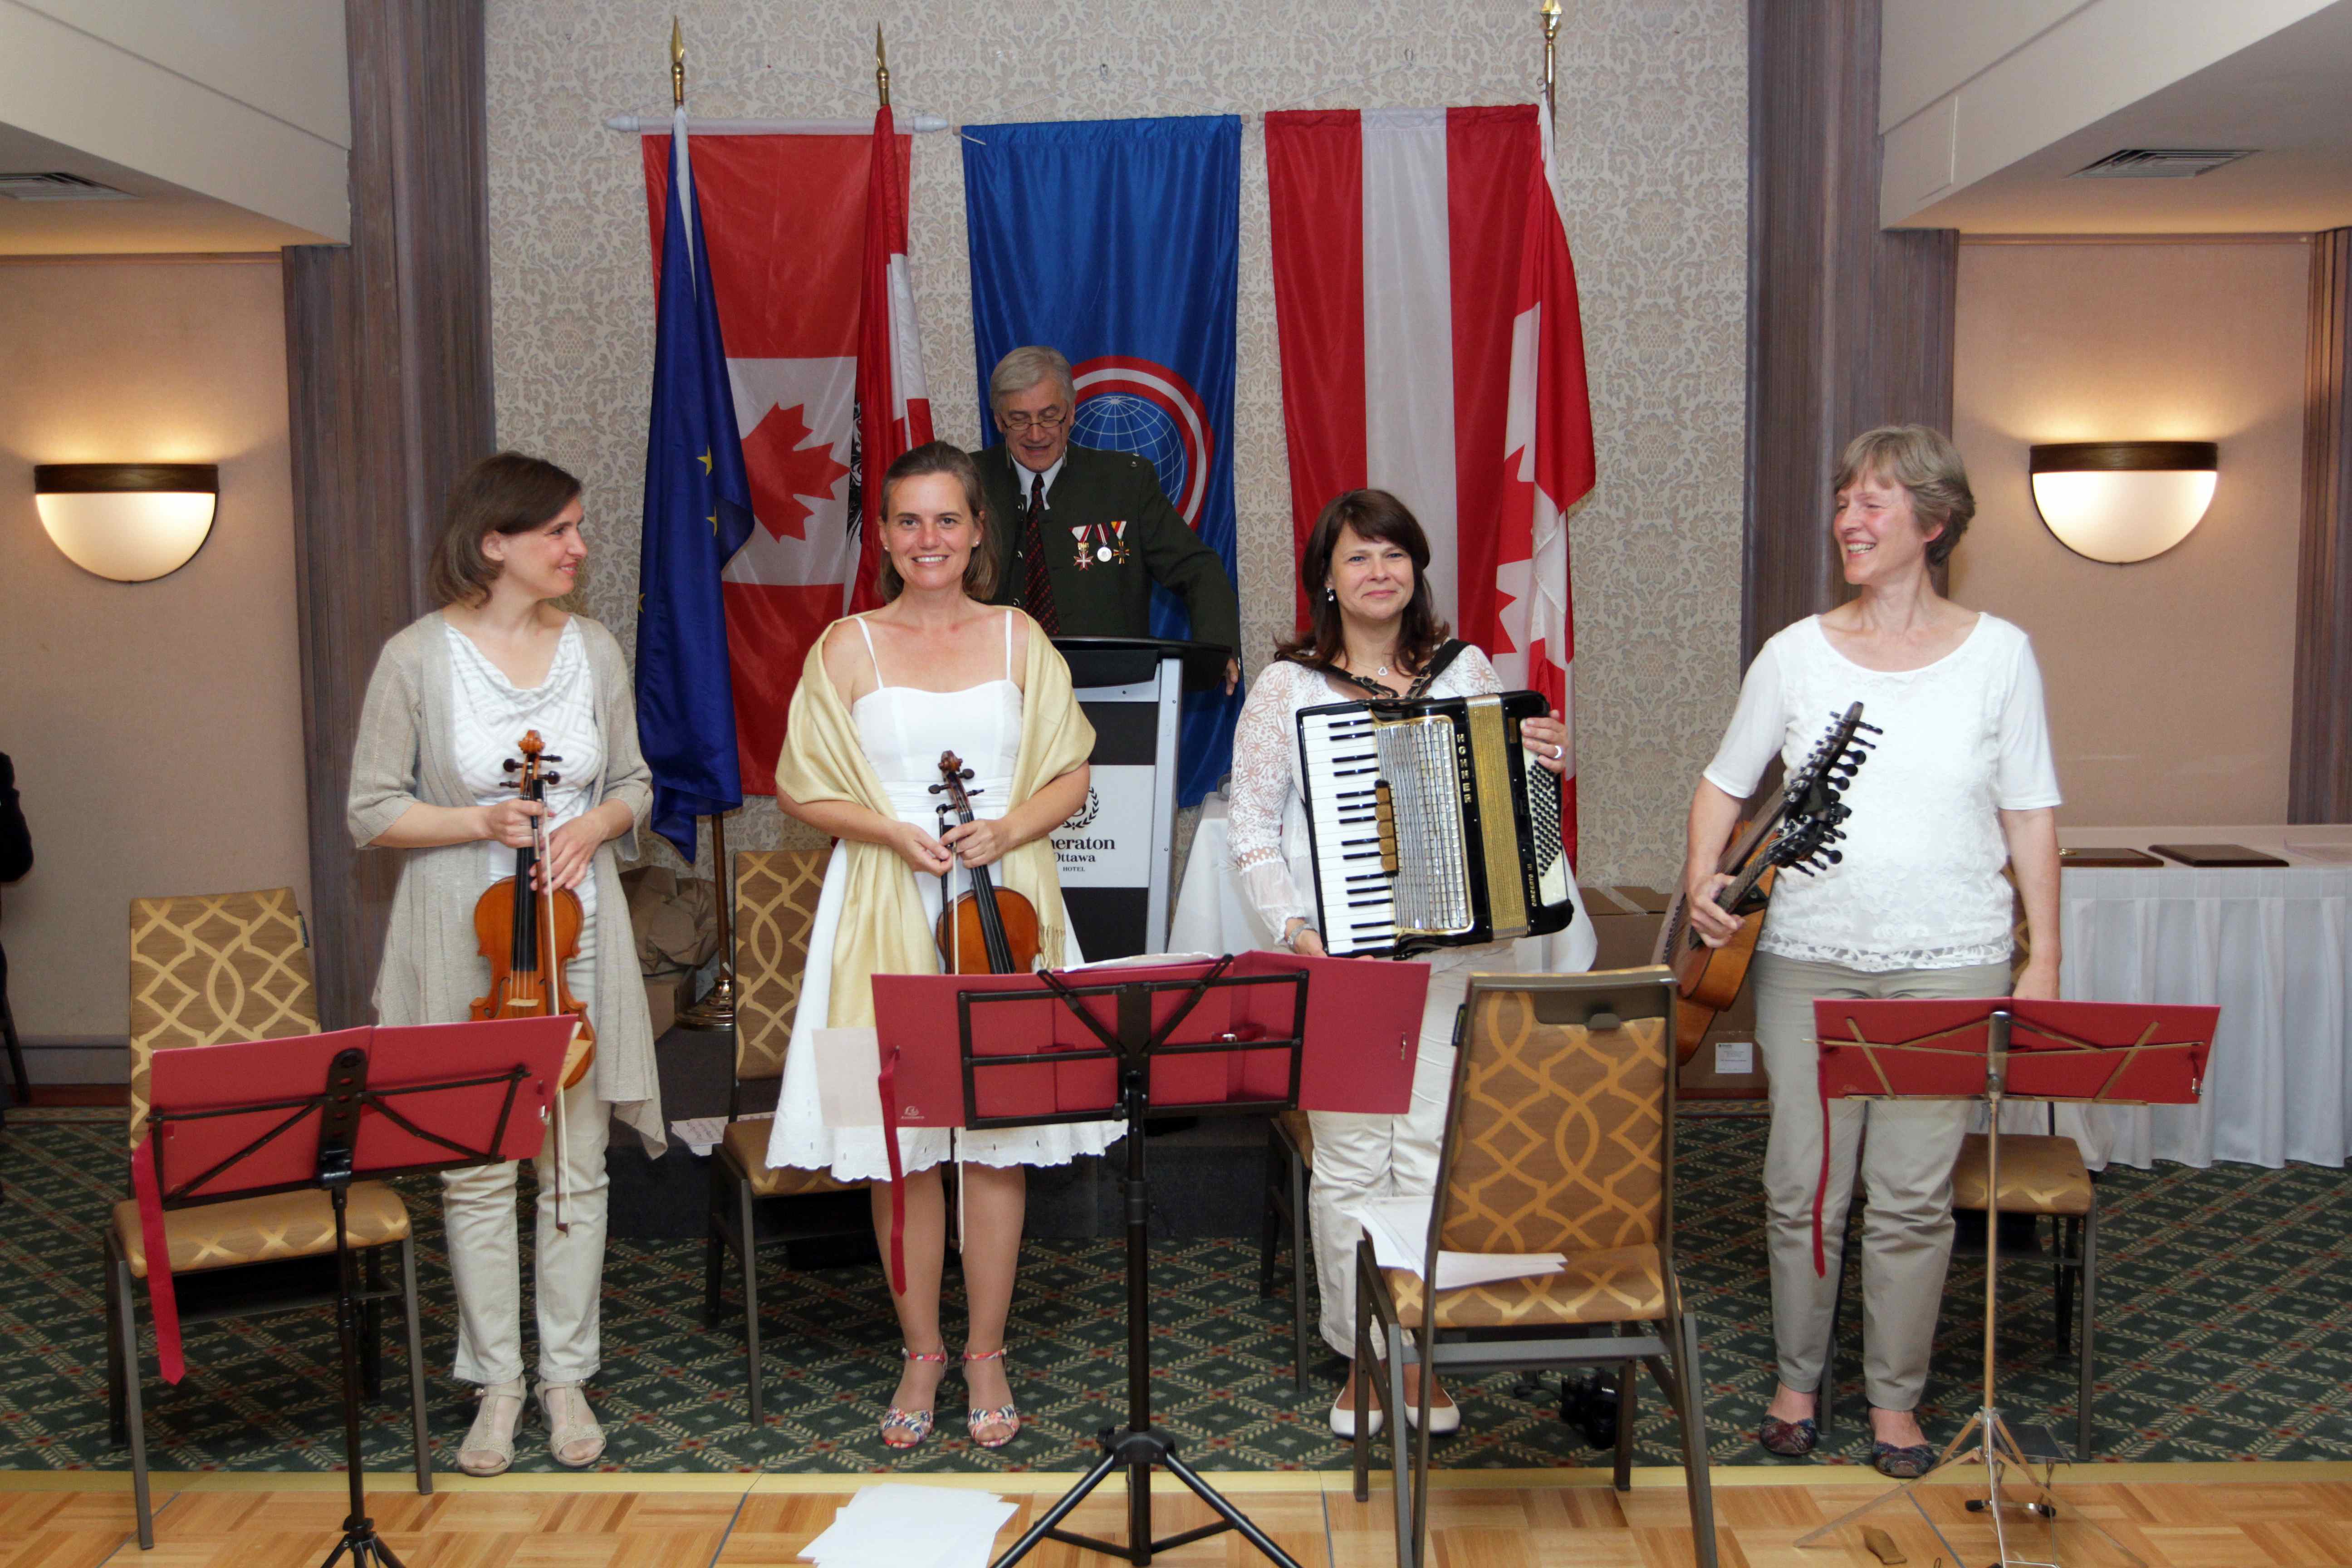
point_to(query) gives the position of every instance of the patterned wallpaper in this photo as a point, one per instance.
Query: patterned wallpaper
(1653, 159)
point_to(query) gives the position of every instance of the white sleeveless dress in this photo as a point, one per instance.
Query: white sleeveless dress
(903, 730)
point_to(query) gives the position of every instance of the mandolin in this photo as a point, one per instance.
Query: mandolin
(528, 936)
(987, 929)
(1794, 834)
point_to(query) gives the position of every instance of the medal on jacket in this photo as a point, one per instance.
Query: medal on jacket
(1085, 557)
(1120, 556)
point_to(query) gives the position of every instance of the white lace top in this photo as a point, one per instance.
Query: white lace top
(1267, 817)
(1920, 886)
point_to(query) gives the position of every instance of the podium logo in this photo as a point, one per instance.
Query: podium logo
(1084, 816)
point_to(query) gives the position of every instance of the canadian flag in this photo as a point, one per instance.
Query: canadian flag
(1427, 308)
(785, 220)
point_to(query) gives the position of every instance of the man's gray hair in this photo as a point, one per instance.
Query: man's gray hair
(1023, 368)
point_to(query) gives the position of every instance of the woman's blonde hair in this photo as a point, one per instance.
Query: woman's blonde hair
(1924, 461)
(940, 457)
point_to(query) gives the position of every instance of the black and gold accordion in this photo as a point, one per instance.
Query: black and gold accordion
(1432, 824)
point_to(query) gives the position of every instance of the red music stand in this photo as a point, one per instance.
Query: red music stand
(1249, 1033)
(222, 1124)
(1994, 1051)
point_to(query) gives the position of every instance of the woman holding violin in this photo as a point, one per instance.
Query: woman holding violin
(435, 771)
(884, 697)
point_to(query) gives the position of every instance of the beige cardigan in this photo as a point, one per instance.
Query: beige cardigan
(432, 967)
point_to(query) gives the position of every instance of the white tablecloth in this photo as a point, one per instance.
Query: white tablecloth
(2270, 945)
(1212, 914)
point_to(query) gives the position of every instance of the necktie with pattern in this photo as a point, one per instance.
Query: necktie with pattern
(1037, 588)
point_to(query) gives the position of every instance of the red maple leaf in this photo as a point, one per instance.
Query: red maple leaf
(781, 470)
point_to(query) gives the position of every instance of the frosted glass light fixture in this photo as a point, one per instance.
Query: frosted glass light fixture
(133, 522)
(2120, 501)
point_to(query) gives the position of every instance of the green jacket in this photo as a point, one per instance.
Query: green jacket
(1112, 598)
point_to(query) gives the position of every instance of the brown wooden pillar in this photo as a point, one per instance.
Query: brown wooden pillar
(2319, 759)
(388, 372)
(1848, 325)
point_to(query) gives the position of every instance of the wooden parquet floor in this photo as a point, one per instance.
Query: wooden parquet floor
(2277, 1516)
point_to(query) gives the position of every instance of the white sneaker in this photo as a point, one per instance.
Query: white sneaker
(1343, 1421)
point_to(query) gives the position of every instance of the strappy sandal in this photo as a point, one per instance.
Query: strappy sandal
(570, 1423)
(915, 1425)
(1005, 1416)
(488, 1448)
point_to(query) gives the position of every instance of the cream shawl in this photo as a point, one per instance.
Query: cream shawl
(882, 928)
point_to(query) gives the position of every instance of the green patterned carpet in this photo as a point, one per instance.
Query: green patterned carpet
(2225, 1328)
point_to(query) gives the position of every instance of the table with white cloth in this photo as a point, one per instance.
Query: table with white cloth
(2270, 945)
(1213, 915)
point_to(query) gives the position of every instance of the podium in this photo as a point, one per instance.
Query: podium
(1116, 856)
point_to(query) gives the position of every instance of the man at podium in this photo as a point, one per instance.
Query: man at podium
(1080, 535)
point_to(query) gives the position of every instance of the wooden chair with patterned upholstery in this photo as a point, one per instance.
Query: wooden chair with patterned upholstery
(1290, 1165)
(237, 966)
(1559, 1138)
(753, 1202)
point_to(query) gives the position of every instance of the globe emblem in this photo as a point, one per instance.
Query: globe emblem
(1123, 421)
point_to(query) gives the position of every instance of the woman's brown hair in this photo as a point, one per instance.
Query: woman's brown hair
(506, 493)
(1379, 517)
(940, 457)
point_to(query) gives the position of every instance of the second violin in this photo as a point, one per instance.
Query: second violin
(530, 934)
(988, 930)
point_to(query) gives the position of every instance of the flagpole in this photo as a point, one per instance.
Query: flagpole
(716, 1010)
(881, 68)
(1549, 12)
(676, 65)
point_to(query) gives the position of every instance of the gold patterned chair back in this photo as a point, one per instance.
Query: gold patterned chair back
(775, 906)
(211, 967)
(1561, 1139)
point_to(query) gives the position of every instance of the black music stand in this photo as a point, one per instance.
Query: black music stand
(1993, 1050)
(1226, 1038)
(217, 1129)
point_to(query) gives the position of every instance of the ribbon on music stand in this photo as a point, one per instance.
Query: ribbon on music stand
(162, 1298)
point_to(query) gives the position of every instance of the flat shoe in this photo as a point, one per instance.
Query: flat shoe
(1902, 1463)
(1343, 1421)
(488, 1448)
(1443, 1418)
(1790, 1439)
(571, 1423)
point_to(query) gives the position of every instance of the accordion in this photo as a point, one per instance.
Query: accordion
(1432, 824)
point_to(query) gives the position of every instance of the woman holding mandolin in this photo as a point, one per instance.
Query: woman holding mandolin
(937, 676)
(496, 687)
(1959, 784)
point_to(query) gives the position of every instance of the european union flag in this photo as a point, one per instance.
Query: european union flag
(698, 515)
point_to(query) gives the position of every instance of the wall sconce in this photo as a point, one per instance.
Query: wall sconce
(2121, 502)
(133, 522)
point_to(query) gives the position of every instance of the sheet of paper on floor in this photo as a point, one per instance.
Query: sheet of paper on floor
(897, 1526)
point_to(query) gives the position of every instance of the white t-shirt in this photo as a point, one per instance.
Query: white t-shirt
(1965, 738)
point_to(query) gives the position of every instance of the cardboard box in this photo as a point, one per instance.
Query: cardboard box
(1625, 922)
(667, 996)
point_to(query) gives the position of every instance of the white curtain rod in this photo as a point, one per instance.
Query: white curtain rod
(696, 125)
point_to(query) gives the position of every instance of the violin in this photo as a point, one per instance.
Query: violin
(528, 936)
(987, 929)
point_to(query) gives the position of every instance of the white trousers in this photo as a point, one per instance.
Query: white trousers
(478, 1210)
(1359, 1157)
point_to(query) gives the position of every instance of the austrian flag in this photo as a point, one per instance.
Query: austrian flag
(1432, 346)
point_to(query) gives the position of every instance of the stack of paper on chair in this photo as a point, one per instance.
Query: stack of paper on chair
(1399, 1228)
(912, 1527)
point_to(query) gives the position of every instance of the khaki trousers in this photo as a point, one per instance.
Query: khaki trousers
(478, 1211)
(1906, 1171)
(1359, 1157)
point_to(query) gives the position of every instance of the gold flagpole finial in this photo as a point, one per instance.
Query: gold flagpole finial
(1549, 12)
(676, 65)
(881, 68)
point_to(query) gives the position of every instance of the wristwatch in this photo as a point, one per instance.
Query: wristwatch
(1290, 940)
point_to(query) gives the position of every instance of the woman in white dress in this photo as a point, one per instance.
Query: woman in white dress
(451, 696)
(937, 669)
(1959, 784)
(1375, 632)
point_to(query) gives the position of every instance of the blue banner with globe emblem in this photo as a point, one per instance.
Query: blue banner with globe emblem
(1118, 242)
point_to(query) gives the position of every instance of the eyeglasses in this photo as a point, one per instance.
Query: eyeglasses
(1017, 423)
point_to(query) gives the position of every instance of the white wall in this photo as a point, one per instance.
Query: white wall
(156, 727)
(1968, 89)
(246, 101)
(2170, 680)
